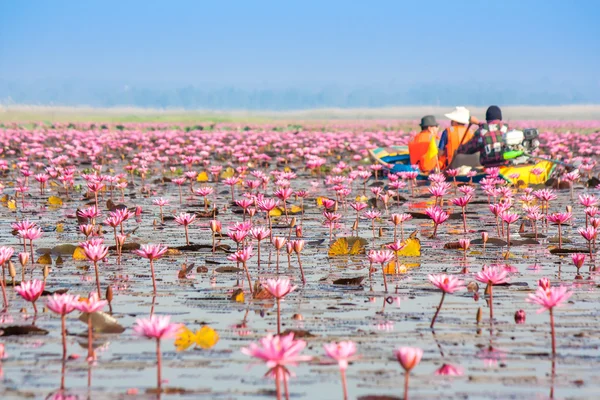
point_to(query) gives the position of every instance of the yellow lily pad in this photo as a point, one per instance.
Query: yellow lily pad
(79, 254)
(55, 201)
(205, 338)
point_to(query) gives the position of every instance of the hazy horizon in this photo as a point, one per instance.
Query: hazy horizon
(281, 56)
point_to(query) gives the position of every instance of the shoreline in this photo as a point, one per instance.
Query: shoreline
(26, 113)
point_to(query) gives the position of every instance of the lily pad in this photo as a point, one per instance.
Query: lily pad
(20, 330)
(228, 270)
(349, 281)
(103, 322)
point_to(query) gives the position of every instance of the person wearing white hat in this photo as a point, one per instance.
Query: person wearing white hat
(456, 134)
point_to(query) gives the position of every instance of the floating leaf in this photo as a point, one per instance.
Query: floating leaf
(64, 249)
(349, 281)
(18, 330)
(184, 339)
(173, 252)
(412, 247)
(358, 247)
(294, 210)
(79, 254)
(319, 200)
(59, 260)
(202, 177)
(103, 322)
(227, 173)
(347, 246)
(206, 337)
(362, 199)
(298, 333)
(391, 268)
(45, 259)
(55, 201)
(185, 270)
(11, 204)
(238, 296)
(276, 212)
(228, 270)
(60, 228)
(127, 247)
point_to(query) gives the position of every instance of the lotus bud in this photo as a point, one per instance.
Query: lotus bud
(11, 269)
(293, 222)
(484, 237)
(251, 212)
(479, 315)
(520, 317)
(109, 294)
(215, 226)
(46, 271)
(299, 231)
(23, 258)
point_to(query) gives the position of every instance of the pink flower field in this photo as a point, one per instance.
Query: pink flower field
(278, 260)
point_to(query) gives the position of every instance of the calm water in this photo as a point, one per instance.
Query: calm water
(500, 361)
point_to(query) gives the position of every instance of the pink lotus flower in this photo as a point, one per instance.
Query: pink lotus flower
(381, 257)
(408, 357)
(95, 251)
(156, 327)
(462, 202)
(90, 305)
(448, 284)
(151, 252)
(449, 370)
(358, 206)
(578, 260)
(279, 288)
(341, 352)
(588, 200)
(399, 219)
(492, 276)
(278, 351)
(589, 234)
(185, 219)
(438, 216)
(30, 291)
(62, 303)
(242, 256)
(549, 298)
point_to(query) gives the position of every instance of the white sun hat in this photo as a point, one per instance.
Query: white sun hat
(460, 115)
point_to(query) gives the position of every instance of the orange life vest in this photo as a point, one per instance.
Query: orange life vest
(417, 149)
(457, 134)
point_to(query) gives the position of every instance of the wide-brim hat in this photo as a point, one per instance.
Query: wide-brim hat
(460, 115)
(427, 121)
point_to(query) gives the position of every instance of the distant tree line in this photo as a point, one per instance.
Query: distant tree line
(235, 98)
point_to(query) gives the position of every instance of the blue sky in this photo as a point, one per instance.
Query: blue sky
(274, 43)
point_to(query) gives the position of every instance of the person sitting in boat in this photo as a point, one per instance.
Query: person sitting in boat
(423, 148)
(487, 140)
(457, 133)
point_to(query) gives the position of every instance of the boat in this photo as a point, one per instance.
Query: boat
(396, 159)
